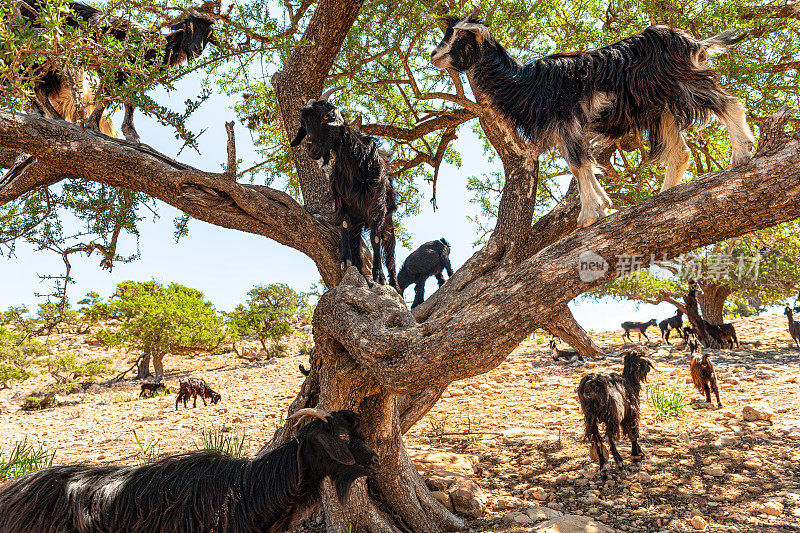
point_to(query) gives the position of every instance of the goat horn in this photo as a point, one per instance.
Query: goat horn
(310, 411)
(327, 94)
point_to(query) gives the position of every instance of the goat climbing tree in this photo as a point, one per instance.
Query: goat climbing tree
(371, 353)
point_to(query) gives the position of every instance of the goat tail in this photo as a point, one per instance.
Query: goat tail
(722, 41)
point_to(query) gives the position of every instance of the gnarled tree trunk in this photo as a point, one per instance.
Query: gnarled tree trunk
(712, 301)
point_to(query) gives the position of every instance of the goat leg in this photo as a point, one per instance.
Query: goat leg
(377, 269)
(43, 100)
(613, 447)
(419, 294)
(439, 279)
(128, 130)
(346, 256)
(93, 123)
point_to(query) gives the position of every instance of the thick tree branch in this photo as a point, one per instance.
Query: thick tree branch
(405, 356)
(64, 151)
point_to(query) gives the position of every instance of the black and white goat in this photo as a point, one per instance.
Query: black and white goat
(569, 356)
(656, 82)
(794, 327)
(703, 374)
(54, 92)
(671, 323)
(200, 491)
(639, 327)
(613, 400)
(428, 260)
(360, 184)
(712, 335)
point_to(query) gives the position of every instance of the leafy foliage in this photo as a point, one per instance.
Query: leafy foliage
(267, 314)
(159, 319)
(65, 368)
(25, 457)
(17, 354)
(667, 402)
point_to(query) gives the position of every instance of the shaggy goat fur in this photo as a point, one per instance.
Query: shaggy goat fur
(794, 327)
(54, 93)
(194, 387)
(639, 327)
(671, 323)
(428, 260)
(613, 400)
(655, 83)
(360, 184)
(703, 374)
(202, 491)
(568, 355)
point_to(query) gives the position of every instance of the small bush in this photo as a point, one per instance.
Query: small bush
(17, 354)
(65, 368)
(306, 347)
(667, 402)
(222, 441)
(277, 350)
(25, 458)
(32, 403)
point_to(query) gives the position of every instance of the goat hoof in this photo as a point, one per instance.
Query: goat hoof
(740, 158)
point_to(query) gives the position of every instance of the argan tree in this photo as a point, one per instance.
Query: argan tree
(371, 353)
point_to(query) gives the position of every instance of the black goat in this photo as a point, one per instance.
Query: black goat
(149, 389)
(640, 327)
(687, 332)
(304, 371)
(568, 355)
(671, 323)
(194, 387)
(794, 327)
(360, 185)
(614, 401)
(712, 335)
(54, 94)
(200, 491)
(703, 374)
(656, 82)
(428, 260)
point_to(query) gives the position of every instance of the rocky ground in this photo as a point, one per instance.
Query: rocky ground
(510, 439)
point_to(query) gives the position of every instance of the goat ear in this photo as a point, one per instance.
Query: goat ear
(301, 132)
(481, 32)
(336, 448)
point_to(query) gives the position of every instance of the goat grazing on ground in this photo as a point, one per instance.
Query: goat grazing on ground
(656, 82)
(671, 323)
(703, 374)
(713, 335)
(428, 260)
(794, 327)
(54, 93)
(614, 401)
(149, 389)
(569, 356)
(200, 491)
(360, 185)
(194, 387)
(639, 327)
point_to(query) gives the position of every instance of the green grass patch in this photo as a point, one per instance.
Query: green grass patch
(24, 458)
(32, 403)
(222, 441)
(667, 402)
(148, 451)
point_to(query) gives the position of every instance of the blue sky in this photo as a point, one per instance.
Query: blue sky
(225, 264)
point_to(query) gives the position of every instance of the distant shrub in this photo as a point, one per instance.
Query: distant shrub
(267, 314)
(20, 318)
(65, 368)
(32, 403)
(24, 458)
(17, 354)
(306, 346)
(94, 309)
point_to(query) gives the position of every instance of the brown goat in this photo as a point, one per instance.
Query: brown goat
(704, 376)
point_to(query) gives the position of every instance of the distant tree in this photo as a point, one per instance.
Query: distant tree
(94, 309)
(757, 270)
(267, 314)
(17, 354)
(159, 319)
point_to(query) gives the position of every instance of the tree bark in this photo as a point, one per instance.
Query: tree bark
(143, 369)
(158, 366)
(712, 301)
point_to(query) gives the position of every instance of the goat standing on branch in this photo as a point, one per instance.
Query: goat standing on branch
(201, 491)
(656, 82)
(361, 188)
(614, 401)
(54, 93)
(428, 260)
